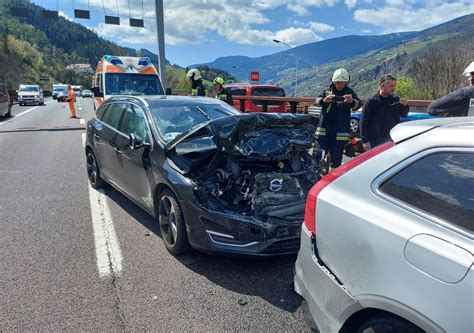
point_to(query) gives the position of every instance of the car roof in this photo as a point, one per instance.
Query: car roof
(410, 129)
(166, 100)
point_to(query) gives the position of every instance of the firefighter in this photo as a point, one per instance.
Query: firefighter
(194, 77)
(336, 103)
(222, 93)
(71, 97)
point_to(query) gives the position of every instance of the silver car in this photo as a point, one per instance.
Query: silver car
(387, 243)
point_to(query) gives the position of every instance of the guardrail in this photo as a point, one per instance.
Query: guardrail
(302, 104)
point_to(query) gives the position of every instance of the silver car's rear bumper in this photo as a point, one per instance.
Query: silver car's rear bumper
(327, 300)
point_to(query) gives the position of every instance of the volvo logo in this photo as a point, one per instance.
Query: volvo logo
(276, 185)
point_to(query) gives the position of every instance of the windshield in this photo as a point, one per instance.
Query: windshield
(87, 91)
(132, 84)
(29, 89)
(175, 120)
(268, 92)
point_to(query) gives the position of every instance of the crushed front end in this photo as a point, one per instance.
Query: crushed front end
(252, 174)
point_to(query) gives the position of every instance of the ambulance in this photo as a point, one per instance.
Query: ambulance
(116, 75)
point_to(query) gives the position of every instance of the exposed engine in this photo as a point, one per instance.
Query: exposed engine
(273, 188)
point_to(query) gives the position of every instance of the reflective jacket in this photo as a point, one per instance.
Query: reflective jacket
(198, 89)
(225, 95)
(334, 122)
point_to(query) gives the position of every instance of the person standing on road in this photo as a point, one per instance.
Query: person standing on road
(381, 113)
(334, 125)
(222, 93)
(194, 77)
(71, 97)
(455, 104)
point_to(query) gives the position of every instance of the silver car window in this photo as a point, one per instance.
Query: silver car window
(441, 184)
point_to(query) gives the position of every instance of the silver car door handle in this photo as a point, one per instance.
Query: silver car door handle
(117, 150)
(97, 136)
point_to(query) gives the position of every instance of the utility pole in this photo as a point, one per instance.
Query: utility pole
(160, 30)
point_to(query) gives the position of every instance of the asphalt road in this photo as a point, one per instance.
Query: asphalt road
(50, 266)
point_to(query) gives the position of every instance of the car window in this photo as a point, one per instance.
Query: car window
(113, 114)
(134, 122)
(440, 184)
(175, 120)
(238, 91)
(101, 112)
(275, 92)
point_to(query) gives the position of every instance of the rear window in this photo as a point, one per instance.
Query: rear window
(440, 184)
(275, 92)
(237, 91)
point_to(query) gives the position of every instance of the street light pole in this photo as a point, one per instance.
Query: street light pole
(296, 60)
(237, 67)
(160, 29)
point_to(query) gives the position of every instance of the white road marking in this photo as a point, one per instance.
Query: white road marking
(82, 122)
(107, 248)
(23, 113)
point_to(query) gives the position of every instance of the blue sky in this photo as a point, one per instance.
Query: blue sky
(199, 31)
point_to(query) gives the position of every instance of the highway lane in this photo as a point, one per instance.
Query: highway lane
(50, 268)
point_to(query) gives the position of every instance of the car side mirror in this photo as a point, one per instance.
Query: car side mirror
(169, 91)
(136, 142)
(97, 93)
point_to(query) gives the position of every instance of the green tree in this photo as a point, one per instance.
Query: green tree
(406, 88)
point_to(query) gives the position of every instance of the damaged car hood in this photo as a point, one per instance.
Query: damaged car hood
(256, 134)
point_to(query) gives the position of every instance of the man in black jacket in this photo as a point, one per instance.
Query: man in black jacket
(381, 113)
(455, 104)
(334, 125)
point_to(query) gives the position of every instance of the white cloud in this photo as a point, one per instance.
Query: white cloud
(297, 36)
(350, 3)
(122, 34)
(367, 31)
(321, 27)
(62, 14)
(298, 9)
(409, 17)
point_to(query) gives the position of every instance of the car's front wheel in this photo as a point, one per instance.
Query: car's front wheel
(172, 226)
(93, 171)
(388, 324)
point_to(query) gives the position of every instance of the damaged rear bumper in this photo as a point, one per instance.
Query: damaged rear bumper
(219, 232)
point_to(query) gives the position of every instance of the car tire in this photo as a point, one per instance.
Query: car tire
(172, 225)
(93, 171)
(354, 125)
(388, 324)
(42, 102)
(9, 113)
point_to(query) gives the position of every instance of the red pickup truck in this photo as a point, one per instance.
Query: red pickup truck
(245, 89)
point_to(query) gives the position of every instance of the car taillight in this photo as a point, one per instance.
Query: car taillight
(310, 211)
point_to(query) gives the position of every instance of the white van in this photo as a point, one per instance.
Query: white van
(30, 94)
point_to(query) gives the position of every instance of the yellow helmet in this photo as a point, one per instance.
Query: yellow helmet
(194, 74)
(219, 80)
(341, 75)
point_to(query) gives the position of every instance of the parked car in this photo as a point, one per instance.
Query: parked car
(5, 103)
(87, 93)
(214, 178)
(355, 119)
(245, 89)
(30, 94)
(387, 241)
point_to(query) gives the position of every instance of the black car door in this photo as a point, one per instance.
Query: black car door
(133, 166)
(104, 137)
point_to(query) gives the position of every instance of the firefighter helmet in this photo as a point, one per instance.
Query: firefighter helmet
(194, 74)
(341, 75)
(219, 80)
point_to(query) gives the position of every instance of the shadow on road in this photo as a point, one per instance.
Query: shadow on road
(268, 278)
